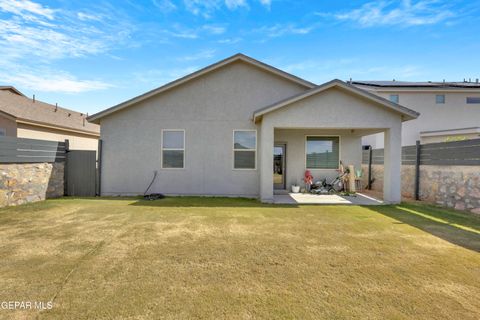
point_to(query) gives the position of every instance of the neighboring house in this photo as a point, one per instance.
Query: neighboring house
(23, 117)
(449, 110)
(215, 132)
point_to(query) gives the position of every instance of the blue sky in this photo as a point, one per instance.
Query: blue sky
(89, 55)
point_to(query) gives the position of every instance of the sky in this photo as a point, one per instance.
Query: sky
(90, 55)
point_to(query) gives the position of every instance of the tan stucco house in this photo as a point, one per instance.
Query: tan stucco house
(24, 117)
(219, 131)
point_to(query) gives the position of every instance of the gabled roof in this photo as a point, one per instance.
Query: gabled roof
(238, 57)
(407, 113)
(11, 89)
(23, 109)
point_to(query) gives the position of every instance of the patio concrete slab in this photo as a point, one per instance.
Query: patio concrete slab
(307, 198)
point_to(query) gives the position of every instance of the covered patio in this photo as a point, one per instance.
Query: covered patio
(308, 198)
(318, 129)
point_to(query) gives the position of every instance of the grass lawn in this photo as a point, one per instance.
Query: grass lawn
(182, 258)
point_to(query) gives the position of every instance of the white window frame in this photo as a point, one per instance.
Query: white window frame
(172, 149)
(329, 136)
(254, 150)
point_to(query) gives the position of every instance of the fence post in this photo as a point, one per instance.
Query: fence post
(99, 164)
(65, 168)
(369, 186)
(417, 170)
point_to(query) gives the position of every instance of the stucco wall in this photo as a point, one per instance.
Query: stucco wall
(350, 152)
(209, 108)
(450, 186)
(77, 141)
(454, 114)
(9, 125)
(30, 182)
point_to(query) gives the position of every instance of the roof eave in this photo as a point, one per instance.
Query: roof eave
(407, 114)
(95, 118)
(57, 127)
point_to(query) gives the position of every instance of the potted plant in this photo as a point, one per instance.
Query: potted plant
(295, 187)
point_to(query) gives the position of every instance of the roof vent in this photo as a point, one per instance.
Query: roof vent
(476, 80)
(33, 99)
(56, 106)
(69, 114)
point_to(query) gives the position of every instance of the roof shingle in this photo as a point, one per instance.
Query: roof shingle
(23, 108)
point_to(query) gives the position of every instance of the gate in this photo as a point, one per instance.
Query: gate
(80, 173)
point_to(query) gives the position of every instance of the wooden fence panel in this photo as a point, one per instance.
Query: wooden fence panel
(457, 153)
(22, 150)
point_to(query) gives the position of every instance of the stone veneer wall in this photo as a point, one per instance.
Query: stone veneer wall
(29, 182)
(450, 186)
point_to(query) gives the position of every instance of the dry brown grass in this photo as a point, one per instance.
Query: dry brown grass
(236, 259)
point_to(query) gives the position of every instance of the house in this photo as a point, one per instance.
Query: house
(23, 117)
(215, 132)
(449, 110)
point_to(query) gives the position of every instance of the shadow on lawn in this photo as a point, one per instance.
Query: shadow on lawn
(458, 228)
(217, 202)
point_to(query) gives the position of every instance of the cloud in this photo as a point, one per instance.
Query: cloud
(214, 29)
(230, 40)
(266, 3)
(233, 4)
(48, 80)
(180, 31)
(69, 34)
(164, 5)
(33, 37)
(26, 9)
(19, 40)
(202, 7)
(204, 54)
(206, 8)
(83, 16)
(279, 30)
(407, 13)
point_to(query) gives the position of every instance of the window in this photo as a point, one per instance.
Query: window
(440, 99)
(3, 132)
(244, 149)
(173, 149)
(394, 98)
(473, 100)
(322, 152)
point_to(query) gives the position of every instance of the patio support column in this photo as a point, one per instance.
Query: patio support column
(266, 162)
(392, 191)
